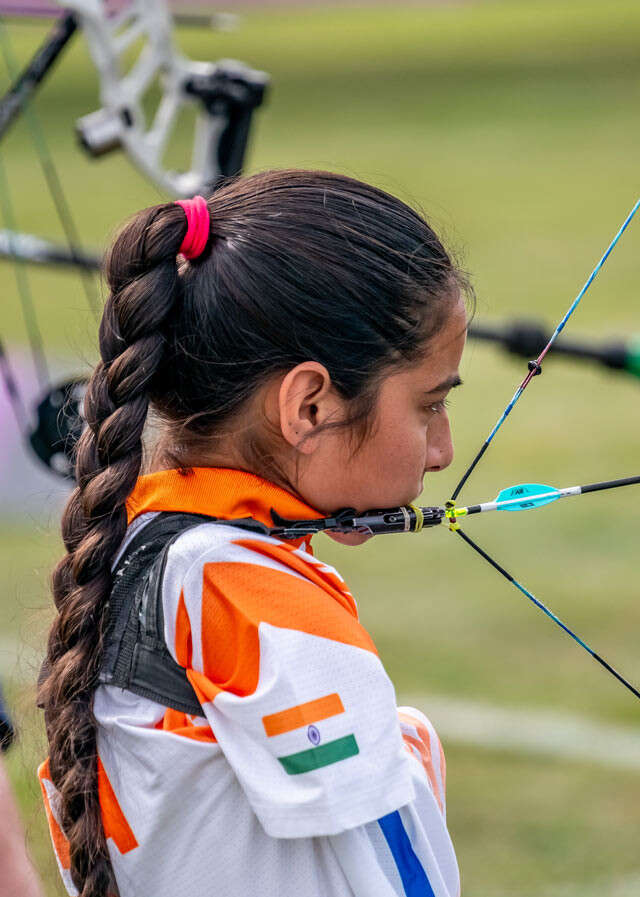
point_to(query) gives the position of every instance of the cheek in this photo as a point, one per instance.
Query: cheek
(409, 445)
(400, 452)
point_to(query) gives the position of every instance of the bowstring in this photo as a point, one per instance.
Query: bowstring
(500, 569)
(535, 366)
(10, 381)
(23, 284)
(52, 178)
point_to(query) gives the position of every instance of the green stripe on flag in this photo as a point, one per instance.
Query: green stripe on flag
(325, 755)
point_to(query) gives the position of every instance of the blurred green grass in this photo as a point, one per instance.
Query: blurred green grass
(514, 125)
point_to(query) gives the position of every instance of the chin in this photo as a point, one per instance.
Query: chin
(409, 497)
(349, 538)
(397, 500)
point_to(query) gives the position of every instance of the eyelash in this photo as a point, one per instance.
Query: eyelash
(439, 407)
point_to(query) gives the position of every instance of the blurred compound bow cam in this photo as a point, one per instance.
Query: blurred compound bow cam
(146, 85)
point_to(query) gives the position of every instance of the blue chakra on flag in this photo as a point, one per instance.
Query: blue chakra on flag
(313, 735)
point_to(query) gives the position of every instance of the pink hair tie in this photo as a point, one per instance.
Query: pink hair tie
(198, 226)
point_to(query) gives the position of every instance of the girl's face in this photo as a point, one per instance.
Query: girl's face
(411, 435)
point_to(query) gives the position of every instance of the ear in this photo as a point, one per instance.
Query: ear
(306, 400)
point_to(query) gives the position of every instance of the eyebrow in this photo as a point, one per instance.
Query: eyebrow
(449, 383)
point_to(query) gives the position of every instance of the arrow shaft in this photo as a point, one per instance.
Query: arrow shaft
(610, 484)
(530, 501)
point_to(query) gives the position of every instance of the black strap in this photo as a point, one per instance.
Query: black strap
(136, 656)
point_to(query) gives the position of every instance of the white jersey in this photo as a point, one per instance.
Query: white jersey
(301, 776)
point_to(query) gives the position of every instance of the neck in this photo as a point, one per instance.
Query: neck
(222, 452)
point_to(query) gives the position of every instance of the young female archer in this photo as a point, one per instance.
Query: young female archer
(219, 721)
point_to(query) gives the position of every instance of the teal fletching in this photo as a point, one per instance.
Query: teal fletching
(532, 495)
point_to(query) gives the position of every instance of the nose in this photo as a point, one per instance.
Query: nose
(439, 444)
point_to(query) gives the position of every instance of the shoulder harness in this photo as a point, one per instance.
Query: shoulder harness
(136, 656)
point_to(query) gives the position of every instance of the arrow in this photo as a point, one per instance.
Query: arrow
(526, 496)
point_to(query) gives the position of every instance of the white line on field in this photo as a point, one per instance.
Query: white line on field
(629, 886)
(530, 730)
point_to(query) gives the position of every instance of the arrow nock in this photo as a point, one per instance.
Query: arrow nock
(451, 513)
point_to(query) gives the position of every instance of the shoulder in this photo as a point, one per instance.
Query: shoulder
(213, 549)
(227, 592)
(208, 543)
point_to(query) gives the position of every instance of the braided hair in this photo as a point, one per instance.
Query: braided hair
(299, 265)
(143, 279)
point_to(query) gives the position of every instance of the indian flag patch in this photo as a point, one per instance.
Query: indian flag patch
(307, 715)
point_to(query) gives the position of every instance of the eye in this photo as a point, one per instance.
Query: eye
(439, 407)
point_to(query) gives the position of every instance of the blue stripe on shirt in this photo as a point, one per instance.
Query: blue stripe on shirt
(414, 878)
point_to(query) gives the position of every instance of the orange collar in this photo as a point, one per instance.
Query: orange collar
(216, 491)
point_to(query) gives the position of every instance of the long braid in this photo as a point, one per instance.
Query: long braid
(143, 279)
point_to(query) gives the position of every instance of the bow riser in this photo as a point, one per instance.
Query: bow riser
(222, 95)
